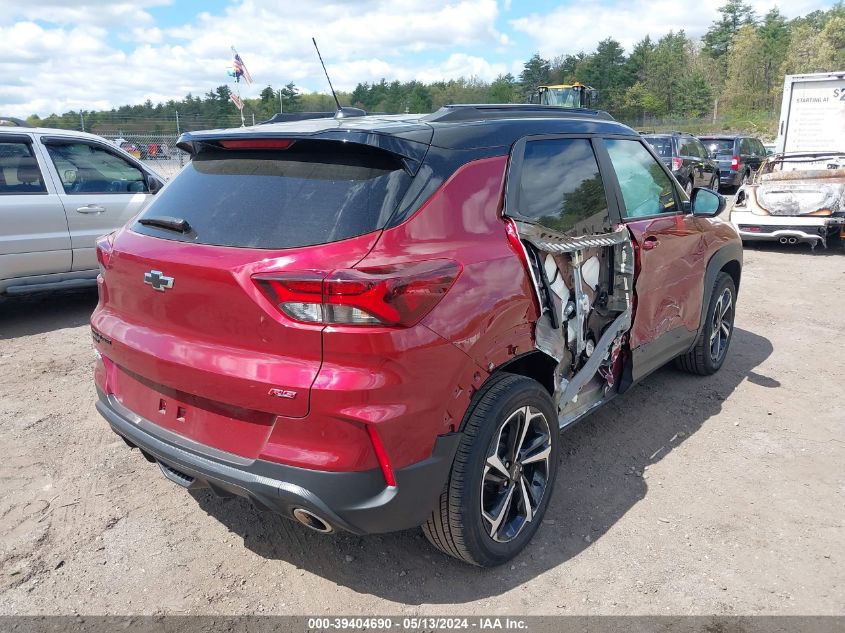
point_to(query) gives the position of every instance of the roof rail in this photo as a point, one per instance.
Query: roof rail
(6, 120)
(474, 112)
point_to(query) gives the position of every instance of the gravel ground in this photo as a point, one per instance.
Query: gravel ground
(687, 495)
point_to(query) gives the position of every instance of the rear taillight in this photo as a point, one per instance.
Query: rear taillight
(735, 162)
(104, 249)
(677, 163)
(397, 295)
(257, 143)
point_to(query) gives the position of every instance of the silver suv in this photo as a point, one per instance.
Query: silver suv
(59, 191)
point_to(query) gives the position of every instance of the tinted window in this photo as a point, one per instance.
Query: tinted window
(719, 146)
(745, 147)
(312, 193)
(701, 152)
(646, 188)
(688, 148)
(560, 186)
(19, 172)
(87, 168)
(662, 145)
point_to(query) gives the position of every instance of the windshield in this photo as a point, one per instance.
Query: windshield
(315, 192)
(661, 144)
(562, 97)
(719, 146)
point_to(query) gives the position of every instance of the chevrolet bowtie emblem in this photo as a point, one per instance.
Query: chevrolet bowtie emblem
(158, 280)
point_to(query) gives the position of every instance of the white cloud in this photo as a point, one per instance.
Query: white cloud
(578, 27)
(69, 64)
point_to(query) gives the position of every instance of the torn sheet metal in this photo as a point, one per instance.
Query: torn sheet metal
(585, 286)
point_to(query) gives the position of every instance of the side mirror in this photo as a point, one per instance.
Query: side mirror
(153, 183)
(706, 203)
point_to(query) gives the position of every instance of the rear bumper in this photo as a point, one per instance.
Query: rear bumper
(358, 502)
(753, 227)
(730, 178)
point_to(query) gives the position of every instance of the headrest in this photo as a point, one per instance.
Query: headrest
(28, 171)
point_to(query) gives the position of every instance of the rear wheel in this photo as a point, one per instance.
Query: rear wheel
(711, 348)
(714, 183)
(502, 476)
(688, 187)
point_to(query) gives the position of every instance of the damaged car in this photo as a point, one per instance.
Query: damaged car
(374, 323)
(795, 197)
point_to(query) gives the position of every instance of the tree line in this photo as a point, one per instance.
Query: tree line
(737, 67)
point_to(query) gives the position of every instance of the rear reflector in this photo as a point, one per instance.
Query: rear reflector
(257, 143)
(396, 295)
(381, 455)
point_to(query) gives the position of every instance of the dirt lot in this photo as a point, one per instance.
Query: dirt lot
(686, 495)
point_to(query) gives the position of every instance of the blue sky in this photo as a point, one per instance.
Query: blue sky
(93, 54)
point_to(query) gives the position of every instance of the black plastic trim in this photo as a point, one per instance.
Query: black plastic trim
(358, 502)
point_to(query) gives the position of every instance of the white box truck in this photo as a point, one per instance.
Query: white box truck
(798, 194)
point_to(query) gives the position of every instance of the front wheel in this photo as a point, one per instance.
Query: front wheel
(711, 348)
(502, 476)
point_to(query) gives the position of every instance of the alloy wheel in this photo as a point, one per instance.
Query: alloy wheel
(721, 325)
(516, 473)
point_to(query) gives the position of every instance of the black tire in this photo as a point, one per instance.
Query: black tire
(714, 184)
(456, 526)
(688, 187)
(701, 359)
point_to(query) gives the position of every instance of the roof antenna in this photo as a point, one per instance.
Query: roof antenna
(342, 112)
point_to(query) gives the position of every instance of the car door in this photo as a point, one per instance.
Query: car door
(671, 250)
(691, 160)
(100, 189)
(709, 169)
(34, 237)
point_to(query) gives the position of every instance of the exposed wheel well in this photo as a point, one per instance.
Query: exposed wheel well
(537, 365)
(734, 270)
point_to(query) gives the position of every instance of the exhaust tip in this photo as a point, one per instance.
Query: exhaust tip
(793, 240)
(783, 240)
(311, 520)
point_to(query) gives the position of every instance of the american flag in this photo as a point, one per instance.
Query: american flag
(240, 69)
(237, 101)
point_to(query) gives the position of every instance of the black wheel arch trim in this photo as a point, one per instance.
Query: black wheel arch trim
(731, 252)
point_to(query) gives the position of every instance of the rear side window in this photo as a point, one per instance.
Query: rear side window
(314, 192)
(560, 186)
(19, 172)
(662, 145)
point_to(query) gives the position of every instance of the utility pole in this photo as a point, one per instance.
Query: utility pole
(280, 101)
(178, 132)
(81, 121)
(253, 118)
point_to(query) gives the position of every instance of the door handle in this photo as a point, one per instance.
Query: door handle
(650, 242)
(91, 208)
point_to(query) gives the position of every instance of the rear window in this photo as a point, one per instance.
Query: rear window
(719, 146)
(314, 192)
(662, 145)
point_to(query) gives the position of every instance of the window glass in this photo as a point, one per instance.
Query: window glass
(646, 189)
(19, 172)
(719, 146)
(87, 168)
(662, 145)
(315, 192)
(561, 188)
(687, 148)
(700, 151)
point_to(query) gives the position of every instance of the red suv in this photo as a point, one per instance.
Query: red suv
(375, 323)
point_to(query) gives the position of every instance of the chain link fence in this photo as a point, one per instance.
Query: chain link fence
(158, 151)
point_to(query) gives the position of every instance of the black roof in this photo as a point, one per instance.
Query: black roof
(451, 127)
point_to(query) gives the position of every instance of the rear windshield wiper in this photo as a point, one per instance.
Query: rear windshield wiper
(167, 222)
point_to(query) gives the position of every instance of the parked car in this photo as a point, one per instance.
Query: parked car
(795, 197)
(59, 191)
(687, 158)
(156, 151)
(133, 149)
(358, 324)
(738, 157)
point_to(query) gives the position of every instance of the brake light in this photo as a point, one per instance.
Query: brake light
(104, 248)
(515, 243)
(735, 162)
(677, 163)
(257, 143)
(397, 295)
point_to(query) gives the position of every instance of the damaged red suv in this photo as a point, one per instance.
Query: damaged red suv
(374, 323)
